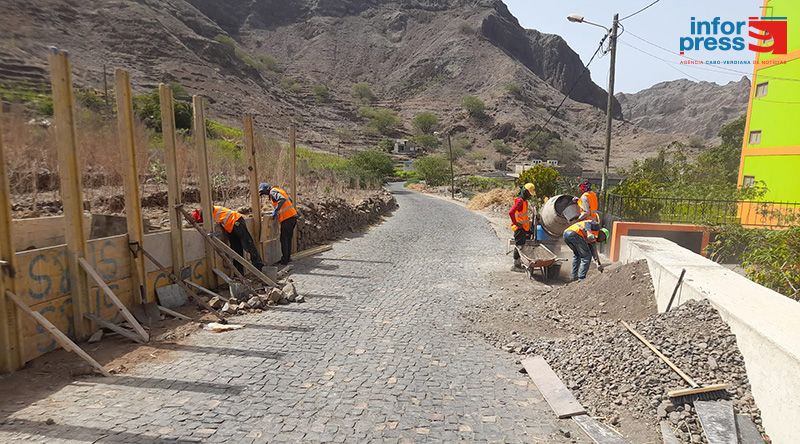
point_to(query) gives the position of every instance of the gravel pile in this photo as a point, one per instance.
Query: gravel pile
(614, 375)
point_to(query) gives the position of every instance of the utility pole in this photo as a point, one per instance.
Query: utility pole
(610, 109)
(452, 176)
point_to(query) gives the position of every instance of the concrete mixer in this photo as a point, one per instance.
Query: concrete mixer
(558, 214)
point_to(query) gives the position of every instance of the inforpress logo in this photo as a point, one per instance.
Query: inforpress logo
(770, 34)
(770, 29)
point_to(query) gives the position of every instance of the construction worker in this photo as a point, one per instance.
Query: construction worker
(588, 203)
(520, 215)
(286, 214)
(239, 238)
(581, 237)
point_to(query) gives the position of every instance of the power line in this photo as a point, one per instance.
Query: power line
(666, 62)
(715, 67)
(641, 10)
(572, 88)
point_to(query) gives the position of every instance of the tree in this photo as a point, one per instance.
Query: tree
(383, 120)
(544, 178)
(474, 107)
(426, 141)
(425, 122)
(147, 108)
(363, 93)
(501, 147)
(371, 165)
(322, 93)
(433, 169)
(565, 152)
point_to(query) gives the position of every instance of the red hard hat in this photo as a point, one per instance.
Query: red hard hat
(197, 215)
(585, 186)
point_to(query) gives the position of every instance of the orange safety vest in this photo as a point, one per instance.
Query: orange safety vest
(594, 205)
(522, 217)
(226, 217)
(584, 227)
(287, 210)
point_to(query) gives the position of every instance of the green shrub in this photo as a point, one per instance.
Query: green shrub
(383, 120)
(371, 165)
(433, 169)
(226, 148)
(318, 161)
(565, 152)
(291, 85)
(147, 108)
(386, 145)
(538, 140)
(502, 148)
(363, 93)
(426, 141)
(269, 63)
(515, 90)
(344, 134)
(544, 178)
(425, 123)
(483, 184)
(474, 107)
(406, 175)
(322, 93)
(217, 130)
(38, 101)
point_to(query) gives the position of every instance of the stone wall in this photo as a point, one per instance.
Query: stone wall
(332, 218)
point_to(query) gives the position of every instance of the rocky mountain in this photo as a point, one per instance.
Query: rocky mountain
(686, 107)
(272, 57)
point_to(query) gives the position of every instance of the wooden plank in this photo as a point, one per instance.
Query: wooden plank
(252, 168)
(553, 389)
(11, 353)
(71, 193)
(205, 290)
(110, 294)
(174, 314)
(206, 203)
(174, 197)
(293, 176)
(60, 337)
(133, 200)
(115, 328)
(747, 431)
(667, 434)
(698, 390)
(718, 421)
(245, 263)
(312, 252)
(599, 433)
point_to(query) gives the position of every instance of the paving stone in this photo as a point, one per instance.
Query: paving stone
(376, 353)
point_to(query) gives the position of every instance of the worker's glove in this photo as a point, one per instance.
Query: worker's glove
(600, 267)
(274, 214)
(591, 237)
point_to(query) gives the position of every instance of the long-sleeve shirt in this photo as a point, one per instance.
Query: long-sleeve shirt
(515, 209)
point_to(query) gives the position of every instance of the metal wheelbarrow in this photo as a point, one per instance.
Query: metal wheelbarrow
(536, 257)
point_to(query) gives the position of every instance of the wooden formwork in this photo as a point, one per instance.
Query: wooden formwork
(52, 283)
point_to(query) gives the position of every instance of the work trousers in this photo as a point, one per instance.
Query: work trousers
(520, 236)
(287, 232)
(241, 241)
(582, 254)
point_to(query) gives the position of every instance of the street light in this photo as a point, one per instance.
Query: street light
(612, 33)
(452, 175)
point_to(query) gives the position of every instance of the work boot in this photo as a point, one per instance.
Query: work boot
(517, 267)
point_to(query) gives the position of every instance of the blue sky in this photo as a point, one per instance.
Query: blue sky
(662, 24)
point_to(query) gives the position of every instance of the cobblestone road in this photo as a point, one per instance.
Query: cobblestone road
(377, 353)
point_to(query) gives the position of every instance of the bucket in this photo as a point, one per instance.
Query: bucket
(541, 235)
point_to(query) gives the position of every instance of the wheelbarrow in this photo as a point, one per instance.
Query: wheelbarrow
(536, 257)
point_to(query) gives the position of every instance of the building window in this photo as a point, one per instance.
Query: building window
(761, 89)
(755, 137)
(748, 182)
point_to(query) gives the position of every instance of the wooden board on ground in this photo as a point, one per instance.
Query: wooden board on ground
(667, 435)
(60, 337)
(174, 314)
(599, 433)
(114, 327)
(555, 392)
(747, 430)
(244, 262)
(312, 251)
(718, 421)
(172, 296)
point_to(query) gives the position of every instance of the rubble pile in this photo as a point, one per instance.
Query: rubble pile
(331, 218)
(613, 374)
(232, 305)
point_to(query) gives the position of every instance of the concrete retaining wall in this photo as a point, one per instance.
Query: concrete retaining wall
(766, 324)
